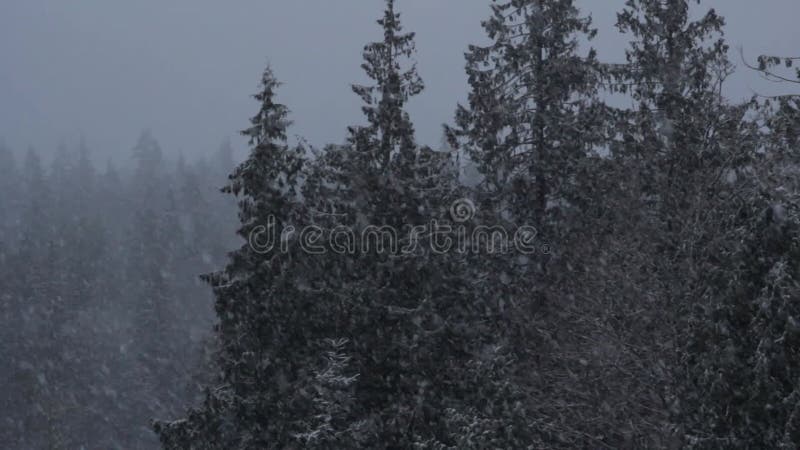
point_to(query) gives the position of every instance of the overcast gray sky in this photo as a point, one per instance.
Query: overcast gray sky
(185, 68)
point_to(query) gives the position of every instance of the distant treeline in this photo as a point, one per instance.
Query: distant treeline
(664, 313)
(104, 321)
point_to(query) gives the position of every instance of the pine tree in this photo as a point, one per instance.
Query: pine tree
(739, 363)
(532, 115)
(261, 316)
(9, 195)
(390, 130)
(279, 311)
(675, 71)
(153, 348)
(533, 126)
(149, 172)
(38, 355)
(87, 355)
(13, 306)
(715, 262)
(400, 310)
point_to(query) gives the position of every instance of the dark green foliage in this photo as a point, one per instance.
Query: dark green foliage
(533, 113)
(390, 318)
(659, 310)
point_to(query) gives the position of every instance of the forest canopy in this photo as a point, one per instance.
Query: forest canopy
(632, 281)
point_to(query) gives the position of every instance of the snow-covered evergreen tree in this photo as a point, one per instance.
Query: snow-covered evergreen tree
(261, 316)
(533, 115)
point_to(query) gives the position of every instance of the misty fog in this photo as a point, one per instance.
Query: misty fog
(448, 224)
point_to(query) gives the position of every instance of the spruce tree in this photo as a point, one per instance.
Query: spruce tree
(152, 344)
(739, 371)
(717, 271)
(532, 115)
(402, 310)
(261, 317)
(10, 187)
(532, 126)
(675, 70)
(38, 359)
(341, 349)
(390, 130)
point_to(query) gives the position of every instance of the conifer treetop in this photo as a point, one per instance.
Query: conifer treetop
(269, 173)
(271, 121)
(384, 101)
